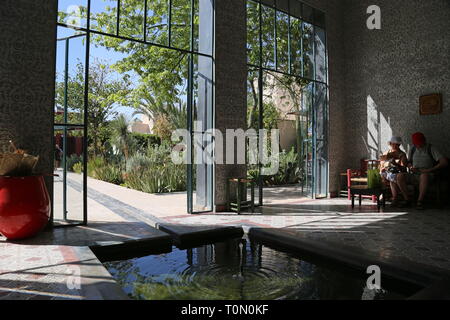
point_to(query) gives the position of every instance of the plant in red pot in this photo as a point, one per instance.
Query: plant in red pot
(24, 199)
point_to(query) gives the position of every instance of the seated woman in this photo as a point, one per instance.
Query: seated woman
(393, 162)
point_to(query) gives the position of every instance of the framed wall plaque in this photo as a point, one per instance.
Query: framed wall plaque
(431, 104)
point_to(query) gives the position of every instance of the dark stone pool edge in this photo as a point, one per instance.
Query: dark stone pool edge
(191, 235)
(435, 281)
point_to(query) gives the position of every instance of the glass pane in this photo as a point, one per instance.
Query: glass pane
(282, 111)
(253, 33)
(181, 24)
(296, 46)
(320, 53)
(104, 16)
(72, 12)
(268, 37)
(253, 123)
(70, 61)
(157, 19)
(282, 41)
(320, 105)
(68, 184)
(308, 51)
(131, 22)
(204, 26)
(203, 136)
(307, 136)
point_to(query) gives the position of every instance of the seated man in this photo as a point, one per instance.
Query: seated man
(424, 161)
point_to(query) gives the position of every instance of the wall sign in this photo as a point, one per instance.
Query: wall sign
(431, 104)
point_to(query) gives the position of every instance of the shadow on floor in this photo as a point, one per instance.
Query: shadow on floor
(92, 234)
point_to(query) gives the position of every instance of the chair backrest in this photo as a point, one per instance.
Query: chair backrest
(351, 173)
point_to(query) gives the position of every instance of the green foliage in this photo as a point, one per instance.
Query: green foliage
(109, 174)
(105, 90)
(271, 115)
(121, 137)
(290, 170)
(72, 160)
(143, 141)
(162, 72)
(98, 168)
(78, 167)
(155, 172)
(93, 164)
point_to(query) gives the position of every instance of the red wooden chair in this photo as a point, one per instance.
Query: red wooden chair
(359, 177)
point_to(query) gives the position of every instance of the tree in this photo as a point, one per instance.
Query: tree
(106, 88)
(120, 136)
(161, 89)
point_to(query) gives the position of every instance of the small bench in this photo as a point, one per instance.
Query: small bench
(364, 190)
(240, 204)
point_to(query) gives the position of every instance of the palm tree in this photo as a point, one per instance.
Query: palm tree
(121, 137)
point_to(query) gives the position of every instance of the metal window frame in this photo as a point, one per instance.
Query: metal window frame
(261, 68)
(191, 52)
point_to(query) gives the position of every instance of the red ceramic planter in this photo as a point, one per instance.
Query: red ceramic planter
(24, 206)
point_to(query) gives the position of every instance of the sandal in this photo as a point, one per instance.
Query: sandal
(394, 203)
(405, 204)
(419, 205)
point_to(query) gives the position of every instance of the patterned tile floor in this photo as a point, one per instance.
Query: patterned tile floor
(42, 267)
(421, 236)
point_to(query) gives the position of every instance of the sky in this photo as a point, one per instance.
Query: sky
(78, 46)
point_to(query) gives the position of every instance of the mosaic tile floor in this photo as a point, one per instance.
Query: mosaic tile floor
(40, 268)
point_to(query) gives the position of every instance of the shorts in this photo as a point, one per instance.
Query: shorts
(389, 176)
(414, 178)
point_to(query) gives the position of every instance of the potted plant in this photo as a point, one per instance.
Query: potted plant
(24, 199)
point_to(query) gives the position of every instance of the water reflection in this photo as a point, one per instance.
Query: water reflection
(236, 269)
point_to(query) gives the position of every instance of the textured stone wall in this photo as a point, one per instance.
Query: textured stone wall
(230, 80)
(27, 73)
(388, 70)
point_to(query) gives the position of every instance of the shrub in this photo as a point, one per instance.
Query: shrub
(155, 172)
(144, 141)
(289, 172)
(157, 179)
(109, 174)
(78, 167)
(72, 161)
(93, 164)
(138, 162)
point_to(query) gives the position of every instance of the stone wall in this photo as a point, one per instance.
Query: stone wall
(27, 73)
(230, 81)
(388, 70)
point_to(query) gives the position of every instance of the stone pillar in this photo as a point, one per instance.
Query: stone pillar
(27, 78)
(230, 81)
